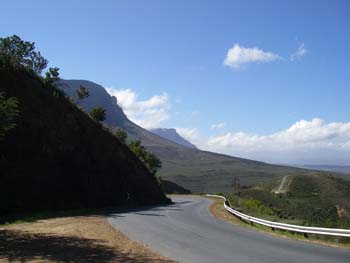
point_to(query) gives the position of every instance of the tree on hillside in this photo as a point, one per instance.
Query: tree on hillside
(16, 53)
(121, 135)
(98, 114)
(8, 113)
(151, 161)
(82, 92)
(52, 75)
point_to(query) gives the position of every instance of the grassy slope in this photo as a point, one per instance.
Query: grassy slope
(202, 171)
(313, 199)
(58, 158)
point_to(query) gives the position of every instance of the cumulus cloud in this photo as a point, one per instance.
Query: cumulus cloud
(148, 113)
(218, 125)
(300, 52)
(314, 141)
(238, 57)
(190, 134)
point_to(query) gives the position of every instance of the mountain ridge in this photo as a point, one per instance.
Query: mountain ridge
(196, 170)
(171, 134)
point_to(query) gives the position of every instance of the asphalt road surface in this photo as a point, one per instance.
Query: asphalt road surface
(188, 232)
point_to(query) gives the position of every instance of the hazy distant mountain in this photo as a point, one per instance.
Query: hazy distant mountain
(196, 170)
(172, 135)
(331, 168)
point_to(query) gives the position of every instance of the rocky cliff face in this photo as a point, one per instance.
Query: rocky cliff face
(172, 135)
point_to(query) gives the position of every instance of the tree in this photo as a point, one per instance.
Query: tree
(82, 92)
(137, 149)
(16, 53)
(8, 113)
(52, 75)
(121, 135)
(151, 161)
(98, 114)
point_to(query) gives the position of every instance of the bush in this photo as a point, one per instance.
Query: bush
(255, 207)
(98, 114)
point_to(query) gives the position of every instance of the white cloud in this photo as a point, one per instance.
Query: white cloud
(218, 125)
(314, 141)
(146, 113)
(190, 134)
(238, 57)
(300, 52)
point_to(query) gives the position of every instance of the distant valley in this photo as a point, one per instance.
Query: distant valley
(330, 168)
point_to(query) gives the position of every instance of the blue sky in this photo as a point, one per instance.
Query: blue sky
(174, 52)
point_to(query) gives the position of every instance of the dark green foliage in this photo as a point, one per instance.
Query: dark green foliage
(8, 113)
(151, 161)
(121, 135)
(82, 92)
(16, 53)
(325, 217)
(256, 208)
(51, 76)
(98, 114)
(58, 158)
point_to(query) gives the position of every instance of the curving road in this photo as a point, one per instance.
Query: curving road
(188, 232)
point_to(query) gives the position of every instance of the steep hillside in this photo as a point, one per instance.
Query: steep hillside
(57, 157)
(196, 170)
(172, 135)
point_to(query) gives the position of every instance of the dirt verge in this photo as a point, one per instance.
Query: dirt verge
(71, 239)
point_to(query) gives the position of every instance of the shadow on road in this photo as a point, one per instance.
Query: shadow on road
(115, 212)
(23, 246)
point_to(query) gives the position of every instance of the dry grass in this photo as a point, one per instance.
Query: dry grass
(71, 239)
(218, 210)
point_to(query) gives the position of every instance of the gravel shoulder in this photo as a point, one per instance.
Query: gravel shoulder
(71, 239)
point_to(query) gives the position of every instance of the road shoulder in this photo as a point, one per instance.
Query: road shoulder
(71, 239)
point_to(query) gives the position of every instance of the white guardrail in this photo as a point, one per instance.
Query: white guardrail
(288, 227)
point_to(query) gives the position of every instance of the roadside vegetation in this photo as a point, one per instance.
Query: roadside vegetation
(316, 200)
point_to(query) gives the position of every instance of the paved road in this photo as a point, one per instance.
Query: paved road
(187, 232)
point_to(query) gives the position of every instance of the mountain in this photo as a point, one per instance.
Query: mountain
(172, 135)
(331, 168)
(193, 169)
(57, 157)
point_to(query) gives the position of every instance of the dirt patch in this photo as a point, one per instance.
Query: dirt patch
(71, 239)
